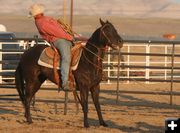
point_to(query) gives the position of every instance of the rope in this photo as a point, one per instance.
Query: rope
(66, 27)
(95, 54)
(140, 84)
(91, 61)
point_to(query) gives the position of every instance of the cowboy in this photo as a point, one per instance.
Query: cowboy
(52, 32)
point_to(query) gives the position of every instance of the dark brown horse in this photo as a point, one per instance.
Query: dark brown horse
(29, 75)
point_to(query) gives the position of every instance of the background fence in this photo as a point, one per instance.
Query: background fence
(156, 56)
(141, 60)
(145, 60)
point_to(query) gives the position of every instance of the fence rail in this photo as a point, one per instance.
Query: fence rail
(135, 66)
(110, 65)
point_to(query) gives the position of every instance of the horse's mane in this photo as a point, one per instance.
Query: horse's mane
(95, 37)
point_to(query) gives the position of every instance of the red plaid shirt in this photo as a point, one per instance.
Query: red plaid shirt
(50, 29)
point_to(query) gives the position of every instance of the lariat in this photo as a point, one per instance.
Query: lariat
(99, 58)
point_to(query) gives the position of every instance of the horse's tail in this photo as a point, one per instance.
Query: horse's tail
(19, 80)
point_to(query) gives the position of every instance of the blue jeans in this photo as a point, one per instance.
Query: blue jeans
(64, 47)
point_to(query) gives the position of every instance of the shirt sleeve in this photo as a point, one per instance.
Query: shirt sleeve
(54, 29)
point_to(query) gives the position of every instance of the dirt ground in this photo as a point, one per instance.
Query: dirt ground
(137, 113)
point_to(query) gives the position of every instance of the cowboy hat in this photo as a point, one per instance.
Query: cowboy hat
(36, 9)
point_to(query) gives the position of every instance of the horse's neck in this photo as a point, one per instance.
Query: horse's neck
(95, 38)
(92, 56)
(95, 48)
(95, 44)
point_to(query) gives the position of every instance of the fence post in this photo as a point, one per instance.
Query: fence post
(1, 62)
(147, 61)
(36, 39)
(165, 63)
(128, 63)
(65, 102)
(172, 73)
(109, 67)
(118, 74)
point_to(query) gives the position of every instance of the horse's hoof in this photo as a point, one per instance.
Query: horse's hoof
(86, 125)
(29, 121)
(104, 124)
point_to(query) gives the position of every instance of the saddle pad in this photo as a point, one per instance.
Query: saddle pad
(46, 58)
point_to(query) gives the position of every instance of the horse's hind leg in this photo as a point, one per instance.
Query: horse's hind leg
(95, 97)
(31, 89)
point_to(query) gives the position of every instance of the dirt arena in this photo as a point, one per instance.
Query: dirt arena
(136, 113)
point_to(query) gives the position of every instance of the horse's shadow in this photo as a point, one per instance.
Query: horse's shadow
(140, 127)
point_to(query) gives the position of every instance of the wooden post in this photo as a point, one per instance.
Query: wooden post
(64, 10)
(65, 101)
(36, 39)
(71, 14)
(172, 74)
(171, 37)
(118, 74)
(1, 61)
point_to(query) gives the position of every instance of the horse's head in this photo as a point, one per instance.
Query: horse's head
(110, 35)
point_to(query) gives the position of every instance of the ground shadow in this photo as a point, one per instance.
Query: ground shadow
(147, 128)
(134, 101)
(8, 107)
(8, 111)
(140, 127)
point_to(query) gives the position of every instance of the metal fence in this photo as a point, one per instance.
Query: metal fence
(144, 60)
(156, 56)
(141, 60)
(10, 53)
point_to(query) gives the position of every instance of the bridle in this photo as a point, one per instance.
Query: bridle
(97, 55)
(102, 33)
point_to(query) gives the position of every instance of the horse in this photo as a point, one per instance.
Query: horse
(29, 75)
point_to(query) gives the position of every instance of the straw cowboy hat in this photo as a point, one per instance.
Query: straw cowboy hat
(36, 9)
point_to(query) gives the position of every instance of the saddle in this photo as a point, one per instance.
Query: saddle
(50, 58)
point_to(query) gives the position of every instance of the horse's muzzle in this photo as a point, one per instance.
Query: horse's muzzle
(115, 46)
(121, 42)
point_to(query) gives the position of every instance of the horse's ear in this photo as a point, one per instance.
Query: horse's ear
(107, 21)
(101, 21)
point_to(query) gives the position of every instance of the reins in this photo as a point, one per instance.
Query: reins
(99, 58)
(104, 33)
(103, 49)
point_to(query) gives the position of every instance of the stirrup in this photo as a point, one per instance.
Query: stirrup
(59, 87)
(68, 86)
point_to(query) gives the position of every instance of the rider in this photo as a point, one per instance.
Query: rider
(51, 31)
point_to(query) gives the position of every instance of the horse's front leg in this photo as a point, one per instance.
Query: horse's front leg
(84, 102)
(95, 97)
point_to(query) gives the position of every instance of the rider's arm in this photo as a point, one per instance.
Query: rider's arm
(78, 37)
